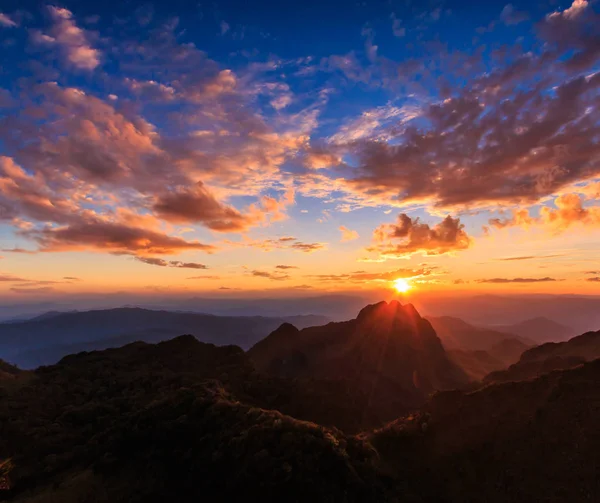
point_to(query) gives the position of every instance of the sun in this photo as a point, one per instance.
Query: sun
(402, 286)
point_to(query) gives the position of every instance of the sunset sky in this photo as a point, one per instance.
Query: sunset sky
(234, 147)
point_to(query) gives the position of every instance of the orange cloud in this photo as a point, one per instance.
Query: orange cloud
(569, 211)
(348, 234)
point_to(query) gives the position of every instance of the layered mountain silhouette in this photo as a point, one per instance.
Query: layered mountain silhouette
(47, 338)
(186, 421)
(456, 333)
(477, 350)
(389, 352)
(538, 330)
(551, 356)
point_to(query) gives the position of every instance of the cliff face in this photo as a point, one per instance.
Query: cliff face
(389, 352)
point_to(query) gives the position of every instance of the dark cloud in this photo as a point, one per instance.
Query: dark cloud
(112, 237)
(286, 267)
(307, 247)
(269, 275)
(409, 236)
(516, 280)
(170, 263)
(594, 279)
(199, 206)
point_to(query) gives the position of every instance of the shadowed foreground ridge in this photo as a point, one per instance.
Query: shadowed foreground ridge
(185, 421)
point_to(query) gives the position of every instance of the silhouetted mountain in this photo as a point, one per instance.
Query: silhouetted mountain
(539, 330)
(388, 352)
(551, 356)
(185, 421)
(478, 364)
(458, 334)
(165, 423)
(520, 442)
(47, 338)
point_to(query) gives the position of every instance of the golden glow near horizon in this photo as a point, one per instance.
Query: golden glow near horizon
(401, 285)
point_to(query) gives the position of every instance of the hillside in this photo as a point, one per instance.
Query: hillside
(388, 352)
(140, 423)
(551, 356)
(521, 442)
(8, 371)
(185, 421)
(46, 339)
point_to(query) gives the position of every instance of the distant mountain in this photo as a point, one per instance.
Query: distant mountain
(551, 356)
(47, 338)
(476, 364)
(578, 312)
(185, 421)
(539, 330)
(458, 334)
(388, 352)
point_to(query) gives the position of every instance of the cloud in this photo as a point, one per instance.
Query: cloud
(348, 234)
(511, 16)
(409, 236)
(224, 27)
(286, 242)
(7, 21)
(112, 237)
(529, 257)
(307, 247)
(569, 210)
(364, 276)
(71, 278)
(516, 280)
(284, 267)
(397, 29)
(269, 275)
(595, 279)
(73, 40)
(204, 277)
(19, 250)
(170, 263)
(198, 205)
(10, 278)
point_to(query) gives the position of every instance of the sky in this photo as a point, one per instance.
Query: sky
(231, 147)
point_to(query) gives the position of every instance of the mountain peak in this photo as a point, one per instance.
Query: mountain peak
(393, 309)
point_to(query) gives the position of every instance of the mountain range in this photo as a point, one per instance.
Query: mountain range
(186, 421)
(550, 356)
(46, 338)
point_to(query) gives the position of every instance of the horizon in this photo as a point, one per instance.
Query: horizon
(186, 150)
